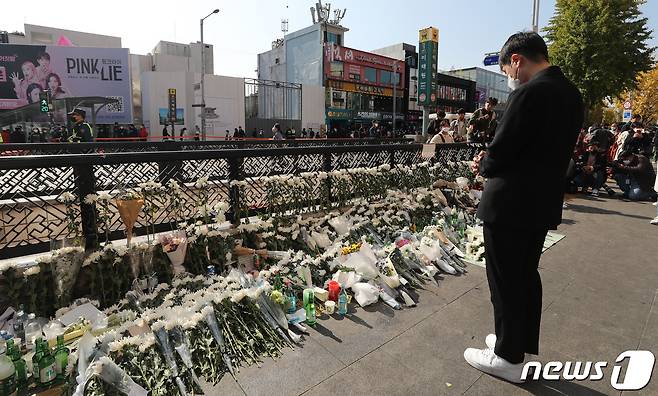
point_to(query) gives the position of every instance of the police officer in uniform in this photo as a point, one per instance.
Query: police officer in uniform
(82, 131)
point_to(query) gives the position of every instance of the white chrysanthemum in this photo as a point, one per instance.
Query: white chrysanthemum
(146, 341)
(32, 271)
(91, 199)
(173, 185)
(104, 196)
(238, 296)
(66, 197)
(201, 182)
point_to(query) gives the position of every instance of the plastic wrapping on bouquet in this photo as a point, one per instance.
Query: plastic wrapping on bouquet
(129, 211)
(175, 245)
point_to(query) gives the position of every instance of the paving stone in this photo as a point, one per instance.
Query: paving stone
(293, 373)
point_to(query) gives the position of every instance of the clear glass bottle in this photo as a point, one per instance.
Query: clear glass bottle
(7, 374)
(32, 331)
(61, 357)
(342, 302)
(47, 373)
(19, 325)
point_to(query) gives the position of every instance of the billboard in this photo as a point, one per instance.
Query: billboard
(67, 72)
(347, 64)
(428, 56)
(165, 118)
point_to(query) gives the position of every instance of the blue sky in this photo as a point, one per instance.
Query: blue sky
(468, 28)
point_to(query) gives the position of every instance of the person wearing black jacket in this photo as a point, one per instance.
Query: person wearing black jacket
(526, 166)
(590, 169)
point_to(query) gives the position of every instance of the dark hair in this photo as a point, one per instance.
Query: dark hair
(59, 81)
(492, 101)
(461, 111)
(31, 88)
(43, 55)
(636, 115)
(625, 154)
(529, 44)
(444, 122)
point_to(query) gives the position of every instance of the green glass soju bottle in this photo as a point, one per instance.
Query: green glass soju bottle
(46, 364)
(61, 358)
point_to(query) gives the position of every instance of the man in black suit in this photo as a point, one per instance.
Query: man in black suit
(525, 164)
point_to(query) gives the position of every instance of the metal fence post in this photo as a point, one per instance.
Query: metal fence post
(235, 165)
(326, 167)
(86, 184)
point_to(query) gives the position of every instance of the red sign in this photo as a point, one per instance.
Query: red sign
(354, 63)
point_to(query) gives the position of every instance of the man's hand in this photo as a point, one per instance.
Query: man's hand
(476, 162)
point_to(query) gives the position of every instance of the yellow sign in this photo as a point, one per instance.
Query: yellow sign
(429, 34)
(172, 91)
(370, 89)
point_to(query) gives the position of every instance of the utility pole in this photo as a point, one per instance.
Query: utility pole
(395, 84)
(203, 75)
(535, 16)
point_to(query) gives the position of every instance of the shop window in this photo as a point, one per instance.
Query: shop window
(338, 99)
(370, 74)
(336, 69)
(332, 38)
(385, 77)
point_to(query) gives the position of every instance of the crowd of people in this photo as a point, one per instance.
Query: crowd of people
(480, 128)
(621, 152)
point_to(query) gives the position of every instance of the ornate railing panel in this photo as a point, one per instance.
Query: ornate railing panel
(31, 215)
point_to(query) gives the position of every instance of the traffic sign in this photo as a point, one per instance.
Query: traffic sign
(627, 105)
(628, 113)
(491, 59)
(172, 105)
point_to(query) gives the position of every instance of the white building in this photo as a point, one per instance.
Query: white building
(169, 65)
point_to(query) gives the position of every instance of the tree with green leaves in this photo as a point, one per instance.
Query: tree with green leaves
(601, 45)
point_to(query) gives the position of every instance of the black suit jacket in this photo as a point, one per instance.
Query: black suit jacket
(526, 163)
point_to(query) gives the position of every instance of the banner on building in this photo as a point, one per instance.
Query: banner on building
(167, 119)
(67, 72)
(428, 56)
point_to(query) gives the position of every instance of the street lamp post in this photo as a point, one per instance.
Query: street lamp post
(395, 84)
(203, 75)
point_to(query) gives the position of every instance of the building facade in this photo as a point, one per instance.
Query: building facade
(487, 83)
(455, 93)
(360, 88)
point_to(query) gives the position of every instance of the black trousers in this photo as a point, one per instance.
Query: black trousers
(512, 271)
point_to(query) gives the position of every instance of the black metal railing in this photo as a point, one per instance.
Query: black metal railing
(31, 215)
(14, 149)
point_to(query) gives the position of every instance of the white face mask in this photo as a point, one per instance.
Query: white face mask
(627, 162)
(513, 83)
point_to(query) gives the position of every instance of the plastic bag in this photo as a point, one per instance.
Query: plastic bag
(365, 293)
(341, 224)
(346, 279)
(362, 264)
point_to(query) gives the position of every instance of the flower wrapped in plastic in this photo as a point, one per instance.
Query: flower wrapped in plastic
(129, 206)
(174, 244)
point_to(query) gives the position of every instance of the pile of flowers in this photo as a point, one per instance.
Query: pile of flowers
(225, 297)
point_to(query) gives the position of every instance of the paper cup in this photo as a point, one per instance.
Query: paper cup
(329, 307)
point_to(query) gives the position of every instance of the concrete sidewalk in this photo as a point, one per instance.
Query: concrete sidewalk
(600, 289)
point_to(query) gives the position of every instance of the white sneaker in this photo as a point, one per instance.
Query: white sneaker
(565, 205)
(595, 192)
(655, 203)
(490, 341)
(486, 361)
(654, 221)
